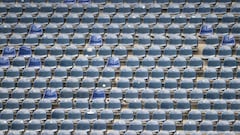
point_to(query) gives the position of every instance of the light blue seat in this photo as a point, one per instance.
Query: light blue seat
(87, 19)
(130, 132)
(208, 51)
(107, 115)
(195, 115)
(62, 8)
(18, 94)
(49, 94)
(189, 8)
(210, 73)
(104, 83)
(57, 114)
(214, 62)
(227, 116)
(170, 83)
(34, 125)
(211, 19)
(39, 114)
(92, 8)
(90, 115)
(97, 28)
(109, 8)
(132, 62)
(220, 105)
(150, 104)
(5, 29)
(234, 83)
(4, 95)
(46, 8)
(57, 19)
(7, 115)
(92, 72)
(175, 40)
(212, 40)
(204, 8)
(183, 105)
(97, 62)
(3, 125)
(195, 19)
(66, 104)
(148, 62)
(173, 29)
(8, 83)
(15, 39)
(55, 83)
(154, 83)
(77, 8)
(222, 29)
(11, 18)
(204, 105)
(143, 29)
(195, 62)
(17, 125)
(144, 40)
(138, 83)
(190, 125)
(173, 73)
(28, 104)
(72, 19)
(212, 94)
(203, 84)
(166, 104)
(67, 126)
(81, 62)
(5, 63)
(20, 29)
(119, 18)
(220, 8)
(82, 29)
(154, 51)
(206, 126)
(139, 9)
(89, 52)
(141, 72)
(132, 94)
(228, 18)
(88, 83)
(135, 125)
(50, 125)
(67, 29)
(170, 51)
(189, 73)
(62, 40)
(222, 126)
(23, 114)
(179, 62)
(180, 19)
(12, 72)
(164, 2)
(74, 115)
(190, 40)
(113, 28)
(120, 51)
(126, 115)
(116, 93)
(180, 94)
(236, 126)
(99, 125)
(12, 104)
(34, 94)
(196, 94)
(51, 28)
(152, 126)
(173, 8)
(163, 94)
(124, 9)
(225, 51)
(40, 51)
(150, 18)
(157, 31)
(97, 104)
(175, 115)
(219, 84)
(187, 83)
(119, 125)
(40, 83)
(126, 40)
(169, 126)
(47, 40)
(189, 30)
(24, 83)
(235, 9)
(66, 62)
(165, 19)
(60, 73)
(81, 103)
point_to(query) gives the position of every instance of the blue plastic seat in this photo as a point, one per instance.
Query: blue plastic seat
(66, 62)
(170, 84)
(206, 126)
(126, 40)
(18, 62)
(15, 39)
(87, 18)
(189, 30)
(150, 104)
(83, 125)
(8, 83)
(224, 51)
(227, 116)
(157, 31)
(62, 40)
(183, 105)
(11, 18)
(234, 84)
(165, 19)
(210, 73)
(67, 29)
(134, 19)
(132, 62)
(49, 94)
(180, 19)
(12, 104)
(57, 114)
(196, 95)
(170, 51)
(236, 126)
(132, 94)
(154, 51)
(100, 125)
(219, 84)
(20, 29)
(207, 30)
(116, 94)
(12, 72)
(47, 40)
(175, 115)
(66, 104)
(208, 51)
(57, 19)
(203, 84)
(211, 19)
(126, 114)
(31, 40)
(222, 29)
(222, 126)
(212, 94)
(51, 28)
(228, 40)
(154, 83)
(23, 114)
(166, 104)
(173, 29)
(188, 8)
(119, 125)
(228, 18)
(119, 18)
(92, 72)
(226, 73)
(214, 62)
(139, 9)
(179, 62)
(135, 125)
(81, 103)
(88, 83)
(107, 115)
(5, 30)
(109, 9)
(150, 18)
(7, 115)
(50, 125)
(169, 126)
(190, 125)
(173, 8)
(180, 94)
(195, 62)
(17, 125)
(194, 115)
(39, 114)
(72, 19)
(220, 105)
(120, 51)
(89, 51)
(152, 126)
(3, 125)
(163, 94)
(235, 9)
(90, 115)
(173, 73)
(24, 83)
(203, 105)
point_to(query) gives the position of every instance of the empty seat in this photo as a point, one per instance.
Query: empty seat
(18, 125)
(206, 126)
(195, 115)
(50, 125)
(169, 126)
(119, 125)
(6, 114)
(126, 114)
(190, 125)
(203, 105)
(210, 73)
(222, 126)
(228, 19)
(214, 62)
